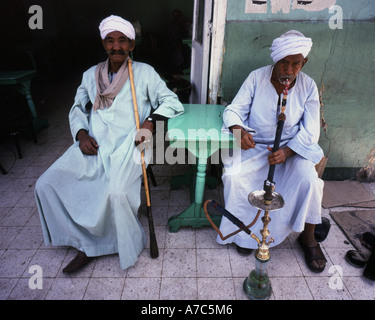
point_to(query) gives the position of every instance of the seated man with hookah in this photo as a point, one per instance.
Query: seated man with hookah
(259, 110)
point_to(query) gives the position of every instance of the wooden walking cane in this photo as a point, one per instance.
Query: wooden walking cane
(153, 244)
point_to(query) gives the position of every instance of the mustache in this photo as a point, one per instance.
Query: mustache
(122, 52)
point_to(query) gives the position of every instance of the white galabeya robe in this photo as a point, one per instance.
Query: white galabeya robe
(91, 202)
(255, 108)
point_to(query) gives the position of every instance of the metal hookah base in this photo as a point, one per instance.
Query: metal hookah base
(256, 199)
(257, 285)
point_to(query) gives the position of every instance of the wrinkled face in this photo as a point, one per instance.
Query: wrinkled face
(118, 47)
(288, 67)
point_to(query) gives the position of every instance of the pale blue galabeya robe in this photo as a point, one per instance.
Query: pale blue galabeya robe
(91, 202)
(255, 108)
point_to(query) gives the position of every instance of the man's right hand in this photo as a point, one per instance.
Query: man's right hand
(247, 141)
(87, 144)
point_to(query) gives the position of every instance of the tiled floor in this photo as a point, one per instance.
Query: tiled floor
(190, 266)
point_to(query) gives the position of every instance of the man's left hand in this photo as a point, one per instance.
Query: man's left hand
(280, 155)
(144, 133)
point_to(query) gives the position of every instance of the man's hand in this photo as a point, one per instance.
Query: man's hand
(87, 144)
(280, 155)
(247, 141)
(144, 133)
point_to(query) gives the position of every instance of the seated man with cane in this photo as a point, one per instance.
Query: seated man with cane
(89, 198)
(253, 114)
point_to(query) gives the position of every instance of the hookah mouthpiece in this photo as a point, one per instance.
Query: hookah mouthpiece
(287, 83)
(285, 94)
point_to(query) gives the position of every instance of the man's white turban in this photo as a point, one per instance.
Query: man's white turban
(291, 42)
(116, 23)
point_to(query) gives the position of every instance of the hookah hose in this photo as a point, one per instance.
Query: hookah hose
(231, 217)
(280, 124)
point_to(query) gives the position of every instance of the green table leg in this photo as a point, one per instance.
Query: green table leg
(194, 215)
(188, 178)
(185, 179)
(38, 123)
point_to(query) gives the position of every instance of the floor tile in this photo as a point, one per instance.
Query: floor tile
(213, 263)
(180, 263)
(104, 288)
(26, 201)
(290, 288)
(147, 266)
(6, 287)
(17, 217)
(184, 238)
(178, 289)
(360, 288)
(7, 235)
(283, 263)
(141, 289)
(31, 289)
(328, 288)
(49, 260)
(216, 289)
(13, 263)
(206, 239)
(28, 238)
(241, 265)
(108, 267)
(68, 289)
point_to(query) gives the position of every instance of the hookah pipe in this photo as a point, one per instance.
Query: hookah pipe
(257, 285)
(269, 184)
(267, 199)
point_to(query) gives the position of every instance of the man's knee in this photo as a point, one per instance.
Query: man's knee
(306, 173)
(304, 168)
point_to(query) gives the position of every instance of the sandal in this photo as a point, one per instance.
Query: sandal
(356, 258)
(312, 254)
(368, 240)
(322, 229)
(77, 263)
(244, 251)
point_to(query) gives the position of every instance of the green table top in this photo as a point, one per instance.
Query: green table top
(16, 76)
(199, 127)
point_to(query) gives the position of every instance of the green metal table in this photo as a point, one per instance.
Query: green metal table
(199, 131)
(22, 79)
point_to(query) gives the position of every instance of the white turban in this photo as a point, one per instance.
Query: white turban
(116, 23)
(290, 43)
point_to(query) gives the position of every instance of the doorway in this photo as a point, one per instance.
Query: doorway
(201, 42)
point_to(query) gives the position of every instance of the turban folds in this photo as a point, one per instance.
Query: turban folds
(116, 23)
(290, 43)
